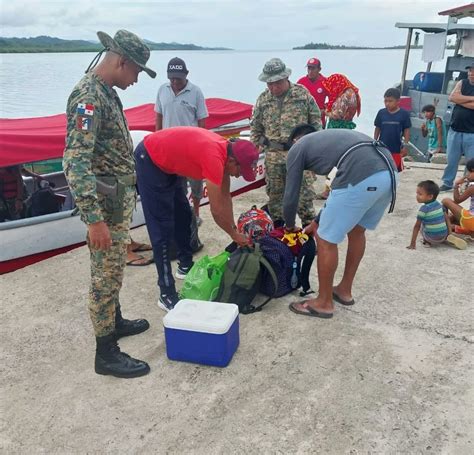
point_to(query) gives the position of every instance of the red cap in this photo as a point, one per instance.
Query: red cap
(313, 62)
(247, 155)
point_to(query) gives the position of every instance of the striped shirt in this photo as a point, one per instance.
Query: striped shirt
(433, 221)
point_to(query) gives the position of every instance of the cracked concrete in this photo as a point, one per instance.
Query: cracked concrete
(393, 374)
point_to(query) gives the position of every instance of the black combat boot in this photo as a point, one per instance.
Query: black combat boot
(109, 360)
(126, 327)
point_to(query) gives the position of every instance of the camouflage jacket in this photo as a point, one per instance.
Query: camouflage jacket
(275, 117)
(98, 143)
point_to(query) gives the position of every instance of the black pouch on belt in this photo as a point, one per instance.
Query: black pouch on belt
(114, 191)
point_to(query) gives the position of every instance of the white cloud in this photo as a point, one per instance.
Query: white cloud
(9, 18)
(240, 24)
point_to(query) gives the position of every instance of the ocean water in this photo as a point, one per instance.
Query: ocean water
(34, 85)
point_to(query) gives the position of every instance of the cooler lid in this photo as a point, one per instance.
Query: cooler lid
(201, 316)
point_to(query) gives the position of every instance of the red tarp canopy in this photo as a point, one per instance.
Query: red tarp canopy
(27, 140)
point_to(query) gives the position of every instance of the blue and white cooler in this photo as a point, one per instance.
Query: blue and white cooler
(202, 332)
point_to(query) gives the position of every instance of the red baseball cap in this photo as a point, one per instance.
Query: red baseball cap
(313, 61)
(247, 155)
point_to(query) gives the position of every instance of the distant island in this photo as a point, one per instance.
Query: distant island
(52, 44)
(322, 46)
(342, 47)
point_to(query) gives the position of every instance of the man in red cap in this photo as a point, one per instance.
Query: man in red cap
(313, 81)
(163, 160)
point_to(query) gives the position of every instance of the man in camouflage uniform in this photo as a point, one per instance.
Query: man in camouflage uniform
(100, 170)
(281, 107)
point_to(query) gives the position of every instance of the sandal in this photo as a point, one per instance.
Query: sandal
(140, 261)
(457, 242)
(310, 311)
(141, 247)
(341, 301)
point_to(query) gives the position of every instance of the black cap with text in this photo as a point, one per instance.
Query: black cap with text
(177, 68)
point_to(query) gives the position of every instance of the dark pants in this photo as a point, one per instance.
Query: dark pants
(167, 215)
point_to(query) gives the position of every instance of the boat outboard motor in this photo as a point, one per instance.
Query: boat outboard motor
(43, 201)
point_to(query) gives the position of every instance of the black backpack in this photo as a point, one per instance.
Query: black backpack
(292, 271)
(242, 277)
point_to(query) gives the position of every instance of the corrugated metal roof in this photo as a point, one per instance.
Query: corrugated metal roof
(460, 11)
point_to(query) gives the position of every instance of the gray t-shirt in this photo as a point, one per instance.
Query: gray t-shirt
(319, 152)
(183, 109)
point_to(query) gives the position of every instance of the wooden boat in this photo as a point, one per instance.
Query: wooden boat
(29, 240)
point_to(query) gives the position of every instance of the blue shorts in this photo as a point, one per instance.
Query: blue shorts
(363, 204)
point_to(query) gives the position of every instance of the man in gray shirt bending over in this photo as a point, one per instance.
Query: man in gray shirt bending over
(181, 103)
(363, 179)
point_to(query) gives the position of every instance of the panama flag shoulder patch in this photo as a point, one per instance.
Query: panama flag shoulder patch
(85, 109)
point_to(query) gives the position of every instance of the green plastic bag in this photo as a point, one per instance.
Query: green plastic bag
(203, 280)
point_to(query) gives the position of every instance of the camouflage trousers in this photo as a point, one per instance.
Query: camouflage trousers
(106, 281)
(107, 269)
(275, 171)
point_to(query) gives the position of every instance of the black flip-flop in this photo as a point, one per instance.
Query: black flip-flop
(342, 302)
(137, 262)
(311, 311)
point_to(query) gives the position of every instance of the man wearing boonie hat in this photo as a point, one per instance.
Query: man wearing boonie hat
(313, 82)
(181, 103)
(100, 170)
(461, 132)
(163, 159)
(281, 107)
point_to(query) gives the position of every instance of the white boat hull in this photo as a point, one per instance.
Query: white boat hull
(33, 236)
(47, 233)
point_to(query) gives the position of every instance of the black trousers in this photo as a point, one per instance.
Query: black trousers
(167, 215)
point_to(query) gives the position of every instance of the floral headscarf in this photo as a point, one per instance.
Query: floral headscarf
(336, 84)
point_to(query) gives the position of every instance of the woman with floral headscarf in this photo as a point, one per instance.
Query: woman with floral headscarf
(343, 104)
(344, 101)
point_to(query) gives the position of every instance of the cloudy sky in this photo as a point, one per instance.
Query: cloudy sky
(238, 24)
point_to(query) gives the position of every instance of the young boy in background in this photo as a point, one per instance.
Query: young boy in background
(435, 129)
(391, 123)
(432, 219)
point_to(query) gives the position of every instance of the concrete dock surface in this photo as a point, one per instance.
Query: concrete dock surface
(392, 374)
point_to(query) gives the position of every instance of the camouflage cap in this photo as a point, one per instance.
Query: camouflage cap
(274, 70)
(129, 45)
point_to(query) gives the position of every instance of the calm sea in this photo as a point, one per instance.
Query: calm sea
(38, 84)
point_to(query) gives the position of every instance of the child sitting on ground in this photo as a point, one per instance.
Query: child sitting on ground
(432, 220)
(461, 216)
(435, 129)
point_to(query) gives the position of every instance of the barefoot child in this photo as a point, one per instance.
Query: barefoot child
(435, 129)
(460, 215)
(432, 220)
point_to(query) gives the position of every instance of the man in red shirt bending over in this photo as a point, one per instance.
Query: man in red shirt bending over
(164, 160)
(313, 81)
